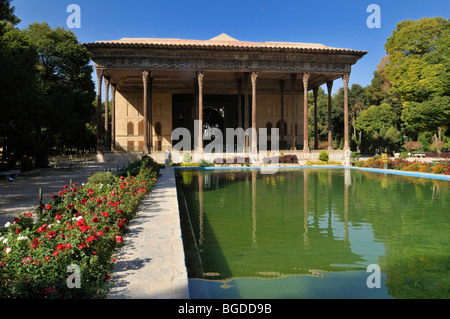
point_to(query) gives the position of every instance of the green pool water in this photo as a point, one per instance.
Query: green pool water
(312, 233)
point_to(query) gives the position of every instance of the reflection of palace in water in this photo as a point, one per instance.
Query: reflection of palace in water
(253, 237)
(320, 221)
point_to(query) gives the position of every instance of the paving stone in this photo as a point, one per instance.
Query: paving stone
(153, 249)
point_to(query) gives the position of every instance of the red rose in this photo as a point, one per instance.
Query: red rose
(84, 228)
(82, 245)
(119, 239)
(35, 243)
(48, 207)
(89, 239)
(95, 220)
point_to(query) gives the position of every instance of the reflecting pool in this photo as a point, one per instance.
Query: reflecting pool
(312, 233)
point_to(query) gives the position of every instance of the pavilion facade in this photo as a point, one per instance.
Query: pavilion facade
(158, 85)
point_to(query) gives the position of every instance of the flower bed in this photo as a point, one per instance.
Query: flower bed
(312, 163)
(285, 159)
(233, 160)
(441, 155)
(67, 252)
(404, 165)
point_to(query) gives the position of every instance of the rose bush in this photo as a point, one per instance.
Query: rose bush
(81, 225)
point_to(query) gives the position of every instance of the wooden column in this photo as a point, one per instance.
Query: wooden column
(246, 107)
(330, 138)
(113, 117)
(254, 127)
(282, 113)
(345, 79)
(293, 118)
(316, 134)
(305, 112)
(106, 114)
(150, 112)
(99, 109)
(200, 76)
(239, 117)
(145, 76)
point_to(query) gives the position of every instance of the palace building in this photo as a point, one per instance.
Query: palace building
(158, 85)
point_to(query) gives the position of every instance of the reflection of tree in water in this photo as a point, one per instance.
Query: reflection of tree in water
(409, 218)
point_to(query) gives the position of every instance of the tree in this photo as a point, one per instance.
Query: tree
(18, 94)
(377, 124)
(418, 60)
(427, 116)
(322, 115)
(66, 88)
(7, 16)
(357, 103)
(46, 94)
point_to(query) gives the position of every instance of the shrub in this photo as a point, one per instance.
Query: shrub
(101, 178)
(187, 158)
(288, 159)
(413, 146)
(323, 156)
(437, 146)
(234, 160)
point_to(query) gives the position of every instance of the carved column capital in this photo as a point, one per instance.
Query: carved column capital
(99, 74)
(200, 76)
(145, 75)
(305, 79)
(254, 77)
(329, 86)
(345, 78)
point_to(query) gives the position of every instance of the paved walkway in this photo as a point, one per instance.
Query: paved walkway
(151, 264)
(22, 194)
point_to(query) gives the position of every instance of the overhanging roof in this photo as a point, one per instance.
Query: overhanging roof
(173, 62)
(222, 42)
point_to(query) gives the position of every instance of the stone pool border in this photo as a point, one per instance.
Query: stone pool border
(376, 170)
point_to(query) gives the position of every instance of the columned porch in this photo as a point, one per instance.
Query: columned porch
(262, 87)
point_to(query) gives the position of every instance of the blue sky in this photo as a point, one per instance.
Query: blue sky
(338, 23)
